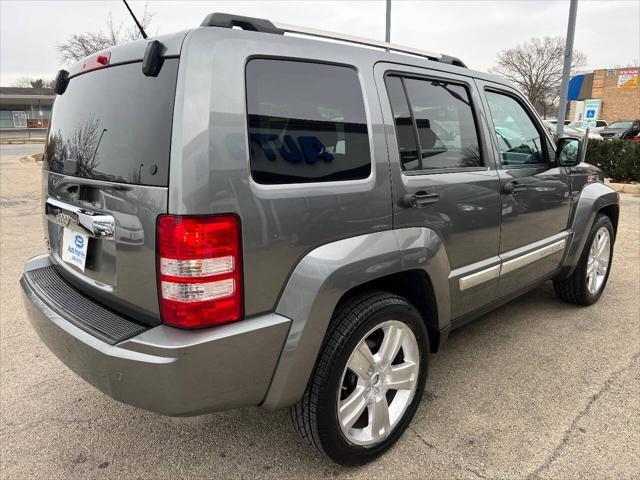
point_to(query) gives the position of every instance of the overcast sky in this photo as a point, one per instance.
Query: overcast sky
(608, 31)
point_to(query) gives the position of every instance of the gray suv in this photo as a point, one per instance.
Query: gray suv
(244, 217)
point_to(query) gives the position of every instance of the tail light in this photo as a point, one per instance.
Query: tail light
(199, 270)
(95, 62)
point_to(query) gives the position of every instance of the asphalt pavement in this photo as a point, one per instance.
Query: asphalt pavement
(535, 389)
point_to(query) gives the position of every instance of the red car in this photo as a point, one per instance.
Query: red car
(637, 138)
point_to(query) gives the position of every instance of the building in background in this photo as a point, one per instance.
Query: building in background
(25, 108)
(607, 94)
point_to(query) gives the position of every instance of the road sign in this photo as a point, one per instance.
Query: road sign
(592, 109)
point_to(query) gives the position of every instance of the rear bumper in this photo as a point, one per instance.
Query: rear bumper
(164, 369)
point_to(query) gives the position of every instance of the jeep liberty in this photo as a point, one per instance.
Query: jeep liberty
(251, 214)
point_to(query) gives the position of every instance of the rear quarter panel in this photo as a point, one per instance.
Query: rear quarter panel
(210, 171)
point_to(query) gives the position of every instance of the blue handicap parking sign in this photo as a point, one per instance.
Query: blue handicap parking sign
(590, 114)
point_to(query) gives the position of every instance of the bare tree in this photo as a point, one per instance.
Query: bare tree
(81, 45)
(536, 68)
(28, 82)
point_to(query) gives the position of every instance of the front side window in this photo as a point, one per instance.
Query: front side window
(518, 138)
(443, 119)
(307, 123)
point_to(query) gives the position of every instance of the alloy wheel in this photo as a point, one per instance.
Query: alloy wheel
(598, 261)
(378, 383)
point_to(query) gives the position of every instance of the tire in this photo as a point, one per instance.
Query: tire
(332, 387)
(577, 288)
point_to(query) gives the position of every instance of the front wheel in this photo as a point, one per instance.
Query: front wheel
(368, 379)
(586, 284)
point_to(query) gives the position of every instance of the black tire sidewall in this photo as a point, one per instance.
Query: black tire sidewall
(334, 442)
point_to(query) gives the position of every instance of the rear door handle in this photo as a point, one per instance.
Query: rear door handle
(513, 188)
(80, 220)
(101, 226)
(420, 199)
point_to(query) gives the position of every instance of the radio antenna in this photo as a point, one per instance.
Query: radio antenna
(144, 35)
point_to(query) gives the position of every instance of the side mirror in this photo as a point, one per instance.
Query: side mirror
(570, 151)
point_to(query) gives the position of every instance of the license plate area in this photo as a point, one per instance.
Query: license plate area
(82, 241)
(74, 248)
(100, 263)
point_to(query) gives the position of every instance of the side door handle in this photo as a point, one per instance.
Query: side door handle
(513, 188)
(420, 199)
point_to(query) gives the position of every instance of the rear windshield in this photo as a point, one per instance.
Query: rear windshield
(114, 124)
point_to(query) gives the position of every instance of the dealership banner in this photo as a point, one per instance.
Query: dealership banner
(627, 78)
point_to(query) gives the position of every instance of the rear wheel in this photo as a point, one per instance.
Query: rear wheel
(368, 380)
(586, 284)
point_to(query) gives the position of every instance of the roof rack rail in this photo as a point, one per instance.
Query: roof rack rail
(265, 26)
(227, 20)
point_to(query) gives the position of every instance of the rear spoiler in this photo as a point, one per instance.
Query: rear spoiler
(155, 50)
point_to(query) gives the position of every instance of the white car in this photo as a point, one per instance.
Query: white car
(594, 132)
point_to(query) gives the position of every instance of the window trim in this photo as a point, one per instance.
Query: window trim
(541, 131)
(317, 184)
(468, 87)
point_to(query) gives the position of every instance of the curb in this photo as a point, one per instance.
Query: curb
(19, 141)
(625, 187)
(29, 158)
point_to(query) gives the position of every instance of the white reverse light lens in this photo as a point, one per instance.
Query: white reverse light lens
(198, 292)
(202, 267)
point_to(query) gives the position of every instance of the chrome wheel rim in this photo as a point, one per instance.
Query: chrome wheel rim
(598, 262)
(378, 383)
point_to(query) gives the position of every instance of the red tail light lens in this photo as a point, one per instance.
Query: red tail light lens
(199, 270)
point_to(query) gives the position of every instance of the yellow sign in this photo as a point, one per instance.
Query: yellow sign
(627, 78)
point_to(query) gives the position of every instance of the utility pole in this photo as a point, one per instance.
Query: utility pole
(566, 70)
(387, 35)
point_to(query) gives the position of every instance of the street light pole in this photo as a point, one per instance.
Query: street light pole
(387, 34)
(566, 70)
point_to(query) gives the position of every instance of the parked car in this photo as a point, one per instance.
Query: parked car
(637, 138)
(555, 122)
(622, 129)
(304, 238)
(568, 131)
(594, 126)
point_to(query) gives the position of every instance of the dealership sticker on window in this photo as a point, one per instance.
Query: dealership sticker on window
(74, 248)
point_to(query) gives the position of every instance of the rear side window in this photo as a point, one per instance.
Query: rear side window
(405, 130)
(441, 115)
(307, 123)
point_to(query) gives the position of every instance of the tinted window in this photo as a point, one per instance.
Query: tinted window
(519, 141)
(621, 125)
(114, 124)
(405, 131)
(307, 123)
(444, 120)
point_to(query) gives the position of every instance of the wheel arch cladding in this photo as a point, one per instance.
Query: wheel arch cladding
(413, 285)
(613, 212)
(325, 275)
(594, 198)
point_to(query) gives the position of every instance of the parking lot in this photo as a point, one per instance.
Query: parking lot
(535, 389)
